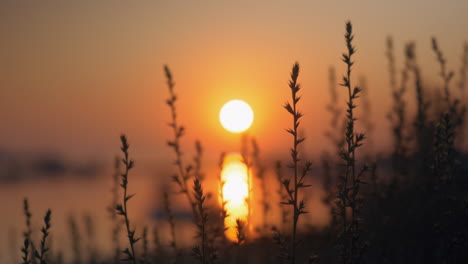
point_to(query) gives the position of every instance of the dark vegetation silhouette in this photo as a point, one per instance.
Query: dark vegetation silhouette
(411, 207)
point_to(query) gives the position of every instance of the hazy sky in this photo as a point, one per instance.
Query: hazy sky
(75, 74)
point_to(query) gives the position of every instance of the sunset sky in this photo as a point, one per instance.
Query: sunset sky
(76, 74)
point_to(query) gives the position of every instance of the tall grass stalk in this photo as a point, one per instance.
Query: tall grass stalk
(392, 72)
(201, 252)
(240, 232)
(122, 208)
(349, 184)
(293, 188)
(453, 106)
(25, 252)
(27, 235)
(334, 134)
(366, 119)
(247, 160)
(41, 254)
(421, 122)
(184, 172)
(197, 161)
(223, 214)
(444, 74)
(260, 173)
(336, 126)
(397, 115)
(332, 106)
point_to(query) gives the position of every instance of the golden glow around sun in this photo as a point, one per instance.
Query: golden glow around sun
(236, 116)
(235, 192)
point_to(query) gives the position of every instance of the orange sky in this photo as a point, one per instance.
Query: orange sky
(74, 75)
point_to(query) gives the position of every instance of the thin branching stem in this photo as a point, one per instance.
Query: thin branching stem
(298, 177)
(421, 122)
(197, 161)
(122, 209)
(184, 172)
(25, 252)
(260, 173)
(444, 74)
(223, 212)
(397, 116)
(349, 185)
(201, 252)
(28, 233)
(41, 255)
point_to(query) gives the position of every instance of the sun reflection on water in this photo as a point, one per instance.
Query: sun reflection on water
(235, 192)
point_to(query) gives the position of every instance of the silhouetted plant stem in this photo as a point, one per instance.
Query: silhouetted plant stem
(334, 134)
(28, 233)
(25, 252)
(298, 178)
(366, 118)
(421, 123)
(260, 173)
(240, 232)
(197, 161)
(40, 255)
(201, 252)
(349, 186)
(247, 160)
(453, 106)
(336, 126)
(397, 115)
(446, 76)
(184, 172)
(391, 64)
(223, 214)
(122, 209)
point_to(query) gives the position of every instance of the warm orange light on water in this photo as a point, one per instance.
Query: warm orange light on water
(235, 192)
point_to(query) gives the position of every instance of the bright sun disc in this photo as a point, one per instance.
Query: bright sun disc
(236, 116)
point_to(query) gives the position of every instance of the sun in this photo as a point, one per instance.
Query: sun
(236, 116)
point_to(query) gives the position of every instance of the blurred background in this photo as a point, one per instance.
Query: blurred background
(74, 75)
